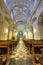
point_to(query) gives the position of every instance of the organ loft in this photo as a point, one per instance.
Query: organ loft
(21, 32)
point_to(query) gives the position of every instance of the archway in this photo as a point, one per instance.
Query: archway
(21, 28)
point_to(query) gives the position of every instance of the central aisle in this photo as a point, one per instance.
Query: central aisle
(21, 50)
(21, 55)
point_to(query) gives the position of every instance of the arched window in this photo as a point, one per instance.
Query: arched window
(40, 19)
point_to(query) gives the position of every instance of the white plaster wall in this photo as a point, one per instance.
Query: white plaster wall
(39, 31)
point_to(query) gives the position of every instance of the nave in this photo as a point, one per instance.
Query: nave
(21, 32)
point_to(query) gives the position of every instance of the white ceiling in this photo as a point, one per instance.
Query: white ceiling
(21, 9)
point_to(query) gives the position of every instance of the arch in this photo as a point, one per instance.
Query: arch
(40, 19)
(20, 25)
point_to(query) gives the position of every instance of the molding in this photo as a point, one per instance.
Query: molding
(35, 9)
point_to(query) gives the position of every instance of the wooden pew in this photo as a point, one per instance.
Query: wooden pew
(6, 46)
(36, 45)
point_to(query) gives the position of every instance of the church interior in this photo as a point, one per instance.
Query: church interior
(21, 32)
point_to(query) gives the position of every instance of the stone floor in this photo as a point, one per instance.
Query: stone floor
(21, 61)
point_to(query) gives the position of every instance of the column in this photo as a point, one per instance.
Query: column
(31, 30)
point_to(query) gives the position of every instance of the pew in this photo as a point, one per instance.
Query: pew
(35, 48)
(41, 58)
(6, 48)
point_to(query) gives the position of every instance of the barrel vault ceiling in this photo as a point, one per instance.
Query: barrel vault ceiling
(21, 10)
